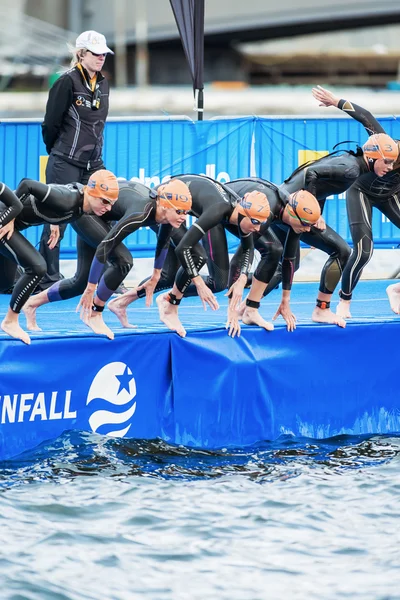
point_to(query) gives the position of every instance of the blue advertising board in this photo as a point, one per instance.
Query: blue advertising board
(153, 149)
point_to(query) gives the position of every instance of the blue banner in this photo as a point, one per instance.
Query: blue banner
(111, 388)
(152, 150)
(206, 390)
(266, 384)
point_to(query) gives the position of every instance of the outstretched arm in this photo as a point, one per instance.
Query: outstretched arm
(360, 114)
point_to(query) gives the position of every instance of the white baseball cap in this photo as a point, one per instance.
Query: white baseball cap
(94, 42)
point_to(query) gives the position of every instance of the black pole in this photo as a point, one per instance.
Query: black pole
(200, 104)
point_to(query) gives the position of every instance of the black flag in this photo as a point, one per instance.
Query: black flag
(189, 17)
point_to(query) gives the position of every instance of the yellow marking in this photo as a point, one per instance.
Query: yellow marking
(42, 168)
(304, 156)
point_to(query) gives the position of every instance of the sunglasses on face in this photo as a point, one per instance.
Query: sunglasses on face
(94, 53)
(106, 202)
(255, 221)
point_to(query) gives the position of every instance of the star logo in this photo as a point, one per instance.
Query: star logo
(124, 380)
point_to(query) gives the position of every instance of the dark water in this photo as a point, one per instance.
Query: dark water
(89, 517)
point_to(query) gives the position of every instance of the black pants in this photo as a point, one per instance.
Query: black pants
(359, 211)
(91, 230)
(329, 242)
(213, 250)
(59, 171)
(19, 251)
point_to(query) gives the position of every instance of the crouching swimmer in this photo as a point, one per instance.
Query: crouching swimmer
(168, 207)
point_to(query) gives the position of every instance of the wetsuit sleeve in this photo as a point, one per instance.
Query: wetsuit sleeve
(12, 202)
(163, 238)
(26, 187)
(115, 236)
(60, 99)
(289, 259)
(361, 115)
(210, 217)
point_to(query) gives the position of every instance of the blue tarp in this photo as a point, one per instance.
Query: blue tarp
(206, 390)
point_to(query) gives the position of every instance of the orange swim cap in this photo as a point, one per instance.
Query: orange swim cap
(381, 145)
(103, 184)
(255, 206)
(304, 206)
(175, 194)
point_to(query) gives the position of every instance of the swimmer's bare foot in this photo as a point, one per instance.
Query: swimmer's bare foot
(251, 316)
(393, 292)
(119, 305)
(12, 328)
(343, 309)
(325, 315)
(29, 311)
(169, 315)
(97, 325)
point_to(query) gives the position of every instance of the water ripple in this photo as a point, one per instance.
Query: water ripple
(89, 517)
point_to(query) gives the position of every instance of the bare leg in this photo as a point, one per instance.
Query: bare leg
(325, 315)
(169, 315)
(393, 292)
(119, 305)
(343, 309)
(30, 307)
(11, 326)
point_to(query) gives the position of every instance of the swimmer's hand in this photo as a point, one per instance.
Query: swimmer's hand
(205, 294)
(285, 311)
(54, 236)
(232, 323)
(7, 230)
(86, 302)
(150, 285)
(235, 292)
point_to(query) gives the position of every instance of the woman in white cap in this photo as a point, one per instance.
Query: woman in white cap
(72, 130)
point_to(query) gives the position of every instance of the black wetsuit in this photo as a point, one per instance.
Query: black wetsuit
(212, 205)
(136, 208)
(329, 175)
(266, 241)
(328, 241)
(367, 192)
(38, 203)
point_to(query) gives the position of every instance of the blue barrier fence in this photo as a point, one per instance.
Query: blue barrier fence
(152, 149)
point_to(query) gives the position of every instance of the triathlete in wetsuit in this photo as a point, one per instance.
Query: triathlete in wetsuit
(99, 242)
(322, 178)
(207, 192)
(38, 203)
(370, 190)
(319, 236)
(167, 207)
(297, 213)
(216, 208)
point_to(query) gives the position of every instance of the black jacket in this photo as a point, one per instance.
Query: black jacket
(71, 128)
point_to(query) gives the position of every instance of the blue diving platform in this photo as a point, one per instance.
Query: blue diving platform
(206, 390)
